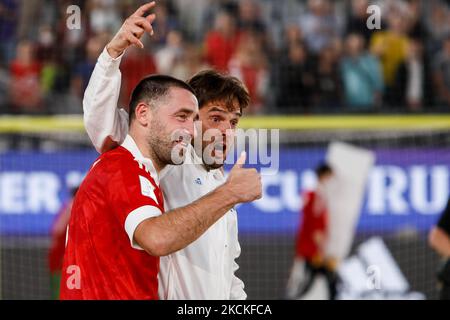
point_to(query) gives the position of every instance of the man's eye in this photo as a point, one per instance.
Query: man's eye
(215, 119)
(182, 117)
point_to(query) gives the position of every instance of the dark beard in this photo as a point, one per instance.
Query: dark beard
(161, 151)
(162, 146)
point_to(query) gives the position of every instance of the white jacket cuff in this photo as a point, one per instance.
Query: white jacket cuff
(135, 218)
(108, 63)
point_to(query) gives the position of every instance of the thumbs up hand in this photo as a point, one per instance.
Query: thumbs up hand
(244, 184)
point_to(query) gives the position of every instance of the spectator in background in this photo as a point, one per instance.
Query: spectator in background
(250, 20)
(319, 25)
(357, 20)
(439, 240)
(293, 80)
(167, 57)
(8, 28)
(411, 78)
(441, 75)
(221, 43)
(46, 55)
(72, 41)
(437, 24)
(328, 85)
(190, 63)
(84, 69)
(58, 244)
(415, 27)
(29, 15)
(214, 8)
(103, 16)
(137, 63)
(391, 47)
(249, 65)
(292, 35)
(190, 16)
(361, 75)
(164, 23)
(25, 87)
(250, 17)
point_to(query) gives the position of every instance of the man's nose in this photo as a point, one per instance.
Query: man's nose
(191, 129)
(224, 127)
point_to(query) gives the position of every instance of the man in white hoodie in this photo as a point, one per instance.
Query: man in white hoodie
(206, 268)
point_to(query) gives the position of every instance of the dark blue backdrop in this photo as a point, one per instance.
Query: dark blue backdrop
(408, 188)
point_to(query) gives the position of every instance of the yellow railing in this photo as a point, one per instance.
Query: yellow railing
(31, 124)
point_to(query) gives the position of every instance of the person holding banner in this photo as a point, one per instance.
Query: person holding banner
(310, 257)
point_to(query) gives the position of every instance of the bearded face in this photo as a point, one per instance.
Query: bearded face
(170, 127)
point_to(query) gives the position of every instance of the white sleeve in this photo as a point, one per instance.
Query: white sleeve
(102, 117)
(135, 218)
(237, 285)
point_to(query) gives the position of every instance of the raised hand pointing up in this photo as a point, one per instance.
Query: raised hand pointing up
(132, 31)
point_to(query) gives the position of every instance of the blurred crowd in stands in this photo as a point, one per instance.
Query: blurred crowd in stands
(295, 56)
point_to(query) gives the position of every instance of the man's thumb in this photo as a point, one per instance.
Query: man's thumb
(241, 161)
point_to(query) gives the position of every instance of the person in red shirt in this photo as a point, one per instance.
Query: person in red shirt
(137, 63)
(310, 258)
(118, 228)
(249, 64)
(25, 92)
(222, 42)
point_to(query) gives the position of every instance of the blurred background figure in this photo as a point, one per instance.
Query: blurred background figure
(84, 69)
(250, 20)
(439, 240)
(327, 92)
(319, 25)
(310, 260)
(58, 244)
(103, 16)
(168, 56)
(164, 24)
(361, 75)
(190, 63)
(441, 74)
(25, 87)
(222, 42)
(138, 64)
(391, 47)
(8, 29)
(293, 70)
(249, 64)
(437, 23)
(29, 11)
(411, 79)
(357, 20)
(46, 54)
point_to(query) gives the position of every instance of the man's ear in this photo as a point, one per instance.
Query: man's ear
(143, 114)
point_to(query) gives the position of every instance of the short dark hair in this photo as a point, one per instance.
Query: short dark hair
(323, 169)
(153, 88)
(213, 86)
